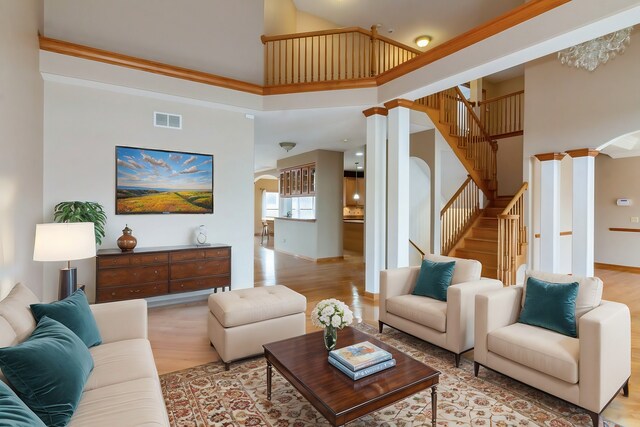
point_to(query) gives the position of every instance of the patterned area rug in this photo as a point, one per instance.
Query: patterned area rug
(208, 395)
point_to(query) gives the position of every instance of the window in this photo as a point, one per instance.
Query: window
(270, 205)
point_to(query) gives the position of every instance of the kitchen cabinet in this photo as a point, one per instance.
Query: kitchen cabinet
(350, 189)
(298, 181)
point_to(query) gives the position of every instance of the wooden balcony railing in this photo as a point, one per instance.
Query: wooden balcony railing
(512, 238)
(332, 55)
(458, 215)
(503, 116)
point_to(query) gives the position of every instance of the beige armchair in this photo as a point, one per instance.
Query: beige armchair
(587, 371)
(447, 324)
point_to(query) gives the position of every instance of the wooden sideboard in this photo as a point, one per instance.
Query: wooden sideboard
(150, 272)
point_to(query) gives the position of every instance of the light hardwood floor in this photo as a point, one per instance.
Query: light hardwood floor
(178, 334)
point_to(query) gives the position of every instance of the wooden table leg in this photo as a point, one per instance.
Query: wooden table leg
(434, 405)
(269, 380)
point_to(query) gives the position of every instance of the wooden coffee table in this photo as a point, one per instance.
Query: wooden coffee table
(303, 362)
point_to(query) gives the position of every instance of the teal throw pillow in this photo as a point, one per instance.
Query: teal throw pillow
(13, 412)
(551, 306)
(74, 313)
(48, 371)
(434, 279)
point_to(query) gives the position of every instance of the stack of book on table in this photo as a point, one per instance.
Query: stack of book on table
(361, 360)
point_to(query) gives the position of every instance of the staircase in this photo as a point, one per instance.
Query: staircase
(494, 234)
(481, 242)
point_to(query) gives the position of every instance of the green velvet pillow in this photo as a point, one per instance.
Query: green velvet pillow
(74, 313)
(551, 306)
(13, 412)
(48, 371)
(434, 279)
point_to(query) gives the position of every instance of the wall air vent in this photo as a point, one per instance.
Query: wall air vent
(166, 120)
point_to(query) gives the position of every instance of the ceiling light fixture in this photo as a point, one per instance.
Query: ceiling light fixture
(359, 153)
(589, 55)
(423, 41)
(287, 145)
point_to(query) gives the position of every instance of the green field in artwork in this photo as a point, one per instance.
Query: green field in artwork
(153, 201)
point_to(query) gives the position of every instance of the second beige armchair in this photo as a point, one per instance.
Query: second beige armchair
(447, 324)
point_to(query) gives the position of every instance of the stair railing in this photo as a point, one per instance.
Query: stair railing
(458, 215)
(331, 55)
(417, 248)
(512, 238)
(479, 149)
(503, 116)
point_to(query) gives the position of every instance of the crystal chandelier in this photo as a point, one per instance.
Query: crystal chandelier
(589, 55)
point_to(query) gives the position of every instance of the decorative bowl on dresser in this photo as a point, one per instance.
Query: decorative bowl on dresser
(150, 272)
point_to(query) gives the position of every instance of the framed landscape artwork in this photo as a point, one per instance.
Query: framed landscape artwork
(163, 182)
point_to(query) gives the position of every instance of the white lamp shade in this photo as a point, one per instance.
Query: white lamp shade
(64, 241)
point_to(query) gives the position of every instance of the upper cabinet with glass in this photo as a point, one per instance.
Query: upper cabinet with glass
(298, 181)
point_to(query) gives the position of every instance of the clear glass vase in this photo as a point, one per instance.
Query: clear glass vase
(330, 337)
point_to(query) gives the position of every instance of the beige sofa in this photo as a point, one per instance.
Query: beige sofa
(587, 371)
(447, 324)
(123, 389)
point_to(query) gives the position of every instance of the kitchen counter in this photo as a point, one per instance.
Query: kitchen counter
(296, 219)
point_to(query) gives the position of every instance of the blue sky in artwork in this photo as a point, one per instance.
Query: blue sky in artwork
(163, 170)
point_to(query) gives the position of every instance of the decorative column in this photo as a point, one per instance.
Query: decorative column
(376, 199)
(398, 183)
(582, 247)
(550, 211)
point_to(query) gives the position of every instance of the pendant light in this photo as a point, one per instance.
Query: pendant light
(356, 196)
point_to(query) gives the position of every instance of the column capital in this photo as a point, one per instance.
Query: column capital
(583, 152)
(399, 102)
(550, 156)
(375, 110)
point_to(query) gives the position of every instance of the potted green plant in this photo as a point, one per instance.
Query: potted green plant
(82, 212)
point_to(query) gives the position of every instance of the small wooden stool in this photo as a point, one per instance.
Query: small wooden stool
(265, 232)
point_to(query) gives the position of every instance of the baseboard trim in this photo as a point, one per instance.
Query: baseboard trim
(330, 259)
(371, 296)
(317, 260)
(615, 267)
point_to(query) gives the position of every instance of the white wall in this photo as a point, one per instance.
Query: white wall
(566, 108)
(322, 238)
(21, 94)
(616, 179)
(280, 17)
(419, 208)
(82, 127)
(222, 37)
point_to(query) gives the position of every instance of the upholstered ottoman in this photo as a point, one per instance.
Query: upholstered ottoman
(241, 321)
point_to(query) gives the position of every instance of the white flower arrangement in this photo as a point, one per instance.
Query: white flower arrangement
(331, 312)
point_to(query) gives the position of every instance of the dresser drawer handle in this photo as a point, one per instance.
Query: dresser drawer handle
(134, 291)
(156, 271)
(113, 294)
(182, 286)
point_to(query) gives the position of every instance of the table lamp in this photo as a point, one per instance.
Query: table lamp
(65, 242)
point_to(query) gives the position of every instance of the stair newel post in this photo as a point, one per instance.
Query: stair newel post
(374, 50)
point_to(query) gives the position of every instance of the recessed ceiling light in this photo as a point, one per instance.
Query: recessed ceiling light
(422, 41)
(345, 140)
(359, 153)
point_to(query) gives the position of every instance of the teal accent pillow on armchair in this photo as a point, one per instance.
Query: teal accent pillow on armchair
(48, 371)
(434, 279)
(13, 412)
(74, 313)
(551, 306)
